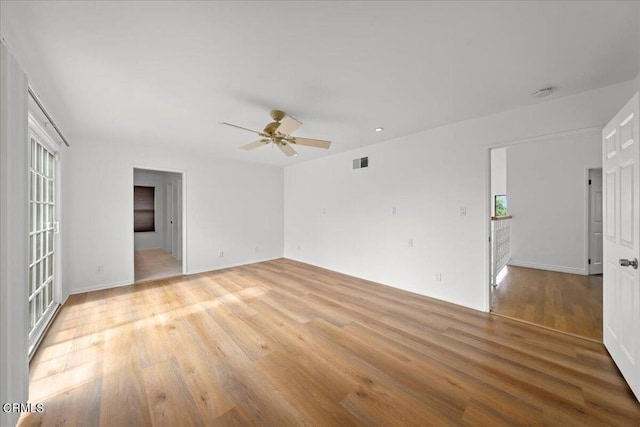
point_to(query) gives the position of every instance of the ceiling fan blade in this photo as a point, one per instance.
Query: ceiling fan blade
(318, 143)
(287, 149)
(240, 127)
(255, 144)
(288, 124)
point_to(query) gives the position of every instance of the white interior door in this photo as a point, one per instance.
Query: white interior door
(170, 219)
(177, 223)
(595, 221)
(621, 309)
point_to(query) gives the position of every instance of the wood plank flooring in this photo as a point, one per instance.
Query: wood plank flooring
(567, 302)
(155, 264)
(282, 343)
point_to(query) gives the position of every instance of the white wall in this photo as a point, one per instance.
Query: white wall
(548, 201)
(428, 177)
(14, 264)
(636, 81)
(153, 239)
(498, 175)
(231, 206)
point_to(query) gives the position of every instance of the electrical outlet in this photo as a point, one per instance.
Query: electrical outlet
(99, 269)
(256, 249)
(463, 211)
(299, 247)
(324, 210)
(221, 254)
(394, 211)
(410, 244)
(438, 277)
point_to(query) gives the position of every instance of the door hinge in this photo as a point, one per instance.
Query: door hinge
(589, 260)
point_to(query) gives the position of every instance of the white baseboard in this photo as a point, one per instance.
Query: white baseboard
(104, 286)
(222, 267)
(386, 283)
(548, 267)
(100, 287)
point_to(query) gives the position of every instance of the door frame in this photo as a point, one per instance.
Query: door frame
(183, 179)
(486, 283)
(40, 131)
(587, 219)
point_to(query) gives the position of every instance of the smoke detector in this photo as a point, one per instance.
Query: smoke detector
(541, 93)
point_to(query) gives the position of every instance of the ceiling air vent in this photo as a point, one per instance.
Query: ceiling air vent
(541, 93)
(360, 163)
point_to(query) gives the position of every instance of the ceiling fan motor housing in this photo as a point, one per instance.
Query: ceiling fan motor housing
(271, 128)
(277, 115)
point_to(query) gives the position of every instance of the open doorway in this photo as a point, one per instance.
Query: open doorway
(158, 224)
(544, 233)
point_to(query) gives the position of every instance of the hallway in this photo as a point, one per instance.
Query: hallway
(155, 264)
(567, 302)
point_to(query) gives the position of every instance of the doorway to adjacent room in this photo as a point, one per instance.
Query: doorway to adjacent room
(157, 224)
(546, 232)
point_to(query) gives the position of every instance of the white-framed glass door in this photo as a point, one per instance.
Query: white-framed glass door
(43, 230)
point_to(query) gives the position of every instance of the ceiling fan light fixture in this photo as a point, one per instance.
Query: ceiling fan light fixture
(378, 129)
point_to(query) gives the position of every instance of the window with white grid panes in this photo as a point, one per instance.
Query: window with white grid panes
(41, 232)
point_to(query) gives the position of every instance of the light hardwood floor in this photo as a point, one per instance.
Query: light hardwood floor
(155, 264)
(567, 302)
(281, 343)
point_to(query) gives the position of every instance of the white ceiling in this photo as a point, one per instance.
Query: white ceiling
(166, 73)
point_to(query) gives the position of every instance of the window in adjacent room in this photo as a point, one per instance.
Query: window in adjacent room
(144, 209)
(501, 205)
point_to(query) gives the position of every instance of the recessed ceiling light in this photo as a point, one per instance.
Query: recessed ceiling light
(541, 93)
(378, 129)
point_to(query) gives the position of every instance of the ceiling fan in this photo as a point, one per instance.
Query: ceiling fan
(278, 132)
